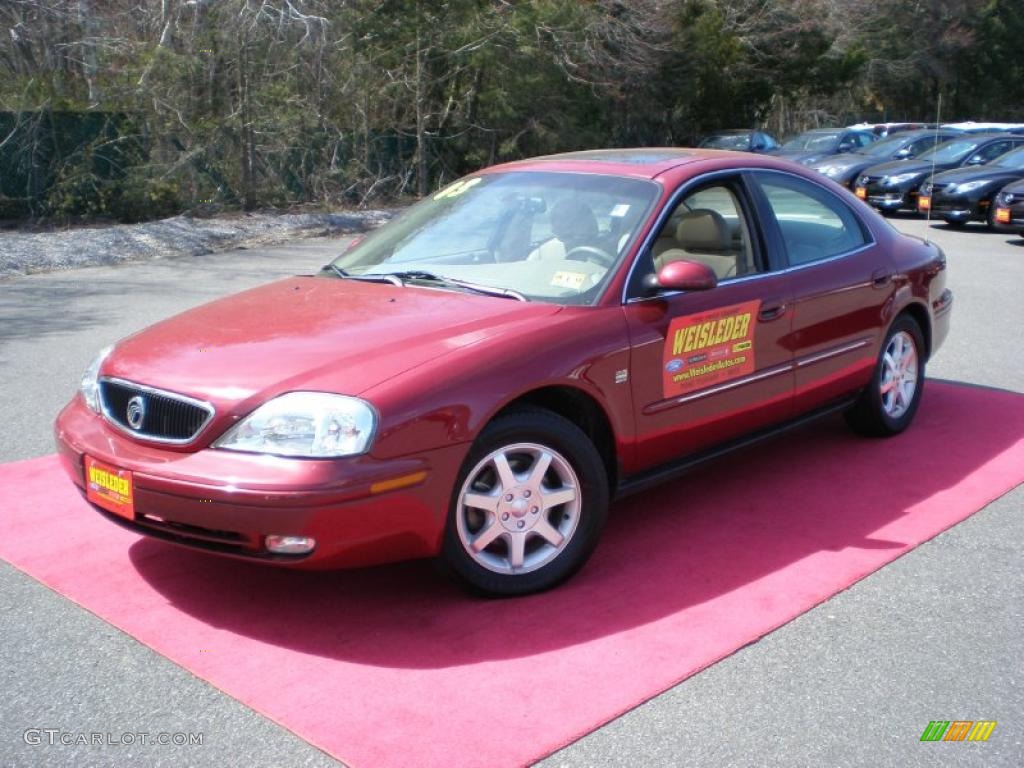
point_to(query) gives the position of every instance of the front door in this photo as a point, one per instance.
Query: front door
(707, 366)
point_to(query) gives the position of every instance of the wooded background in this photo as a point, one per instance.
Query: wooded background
(132, 109)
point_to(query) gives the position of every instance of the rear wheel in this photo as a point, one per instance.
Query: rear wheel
(529, 505)
(890, 401)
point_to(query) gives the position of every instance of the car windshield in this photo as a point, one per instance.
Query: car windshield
(950, 152)
(814, 141)
(885, 147)
(545, 236)
(1012, 159)
(727, 141)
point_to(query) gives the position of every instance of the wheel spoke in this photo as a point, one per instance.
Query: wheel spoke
(887, 384)
(540, 468)
(910, 363)
(505, 474)
(907, 393)
(548, 532)
(890, 364)
(516, 549)
(486, 537)
(481, 501)
(554, 498)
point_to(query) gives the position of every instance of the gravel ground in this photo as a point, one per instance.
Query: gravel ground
(24, 253)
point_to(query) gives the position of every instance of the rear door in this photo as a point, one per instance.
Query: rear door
(707, 366)
(841, 287)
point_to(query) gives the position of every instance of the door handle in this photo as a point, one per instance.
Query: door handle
(774, 312)
(880, 278)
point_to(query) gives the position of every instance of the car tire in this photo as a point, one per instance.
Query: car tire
(528, 507)
(888, 404)
(990, 217)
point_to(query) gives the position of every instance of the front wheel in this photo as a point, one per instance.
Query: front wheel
(890, 401)
(529, 505)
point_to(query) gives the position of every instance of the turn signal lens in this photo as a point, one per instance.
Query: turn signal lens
(289, 545)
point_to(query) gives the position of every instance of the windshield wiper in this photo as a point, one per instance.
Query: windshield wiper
(332, 267)
(372, 277)
(399, 278)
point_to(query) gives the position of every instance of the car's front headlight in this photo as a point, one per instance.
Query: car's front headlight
(312, 424)
(899, 178)
(90, 386)
(969, 186)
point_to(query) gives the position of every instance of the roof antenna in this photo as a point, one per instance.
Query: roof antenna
(931, 176)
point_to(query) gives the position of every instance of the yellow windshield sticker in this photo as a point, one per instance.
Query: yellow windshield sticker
(572, 280)
(457, 188)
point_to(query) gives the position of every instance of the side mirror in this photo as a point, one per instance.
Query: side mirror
(682, 276)
(976, 160)
(758, 145)
(846, 146)
(903, 154)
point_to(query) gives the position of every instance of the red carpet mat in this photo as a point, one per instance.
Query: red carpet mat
(394, 667)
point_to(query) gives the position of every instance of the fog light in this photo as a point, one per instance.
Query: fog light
(290, 545)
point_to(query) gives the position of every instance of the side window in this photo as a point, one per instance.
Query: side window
(994, 150)
(864, 139)
(708, 226)
(815, 224)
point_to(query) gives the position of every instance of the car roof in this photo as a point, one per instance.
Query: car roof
(920, 132)
(642, 162)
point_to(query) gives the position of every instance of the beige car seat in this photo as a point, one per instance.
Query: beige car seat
(701, 235)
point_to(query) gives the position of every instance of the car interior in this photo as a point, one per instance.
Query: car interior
(707, 227)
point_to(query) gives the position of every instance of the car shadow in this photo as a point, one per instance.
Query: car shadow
(718, 529)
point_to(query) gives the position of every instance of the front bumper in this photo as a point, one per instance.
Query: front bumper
(1016, 222)
(360, 510)
(957, 208)
(892, 199)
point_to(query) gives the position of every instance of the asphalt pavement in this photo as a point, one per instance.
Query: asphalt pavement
(934, 635)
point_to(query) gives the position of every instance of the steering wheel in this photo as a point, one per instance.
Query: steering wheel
(591, 253)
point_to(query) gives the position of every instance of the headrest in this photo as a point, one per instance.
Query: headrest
(573, 221)
(703, 230)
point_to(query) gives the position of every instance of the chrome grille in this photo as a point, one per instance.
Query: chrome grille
(165, 417)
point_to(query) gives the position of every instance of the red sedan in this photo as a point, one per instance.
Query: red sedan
(481, 377)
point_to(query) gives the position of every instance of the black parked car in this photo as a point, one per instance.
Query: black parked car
(844, 169)
(966, 194)
(811, 146)
(1009, 205)
(894, 186)
(742, 139)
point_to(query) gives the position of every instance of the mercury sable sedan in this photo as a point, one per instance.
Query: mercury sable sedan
(480, 378)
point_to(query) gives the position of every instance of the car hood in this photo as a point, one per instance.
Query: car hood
(839, 161)
(316, 333)
(800, 155)
(894, 167)
(975, 173)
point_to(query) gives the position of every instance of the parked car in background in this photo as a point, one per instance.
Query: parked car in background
(888, 129)
(742, 139)
(844, 169)
(894, 186)
(811, 146)
(967, 194)
(1009, 204)
(478, 378)
(970, 126)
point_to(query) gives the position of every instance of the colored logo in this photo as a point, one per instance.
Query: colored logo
(674, 365)
(958, 730)
(136, 412)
